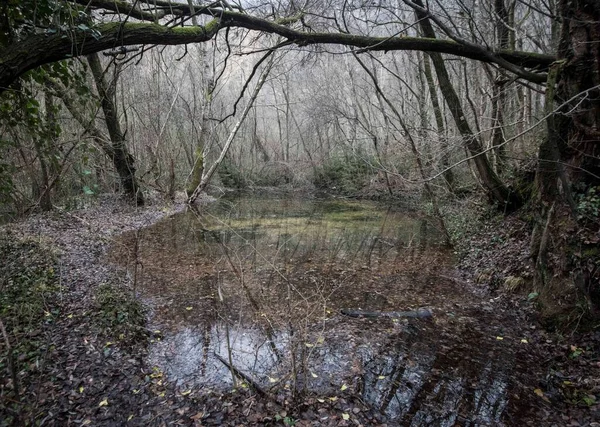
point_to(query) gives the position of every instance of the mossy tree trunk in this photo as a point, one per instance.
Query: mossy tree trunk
(439, 122)
(197, 170)
(568, 158)
(122, 160)
(497, 190)
(206, 177)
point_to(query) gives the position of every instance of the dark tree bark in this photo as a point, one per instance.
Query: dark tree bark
(122, 159)
(568, 157)
(498, 191)
(38, 49)
(439, 121)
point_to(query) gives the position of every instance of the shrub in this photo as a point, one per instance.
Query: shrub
(231, 175)
(345, 175)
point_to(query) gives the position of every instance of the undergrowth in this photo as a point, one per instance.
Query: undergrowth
(28, 302)
(345, 175)
(120, 314)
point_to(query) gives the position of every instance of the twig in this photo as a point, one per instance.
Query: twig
(11, 361)
(243, 376)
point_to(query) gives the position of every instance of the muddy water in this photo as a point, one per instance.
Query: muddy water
(250, 291)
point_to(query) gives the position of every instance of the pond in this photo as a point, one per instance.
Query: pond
(248, 291)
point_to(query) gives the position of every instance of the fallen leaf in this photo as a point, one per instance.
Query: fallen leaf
(499, 338)
(309, 345)
(103, 403)
(524, 341)
(197, 416)
(185, 393)
(381, 377)
(129, 418)
(345, 416)
(272, 380)
(188, 308)
(314, 375)
(81, 389)
(344, 387)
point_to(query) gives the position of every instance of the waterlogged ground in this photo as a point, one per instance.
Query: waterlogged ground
(248, 293)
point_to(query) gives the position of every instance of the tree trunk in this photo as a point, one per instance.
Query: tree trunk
(122, 159)
(209, 174)
(497, 190)
(439, 121)
(568, 159)
(499, 88)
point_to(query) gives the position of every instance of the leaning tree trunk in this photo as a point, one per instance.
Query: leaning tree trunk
(566, 236)
(122, 159)
(209, 174)
(497, 190)
(440, 127)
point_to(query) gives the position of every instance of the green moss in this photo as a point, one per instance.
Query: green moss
(196, 172)
(208, 30)
(592, 252)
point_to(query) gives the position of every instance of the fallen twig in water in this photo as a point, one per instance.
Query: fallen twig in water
(243, 376)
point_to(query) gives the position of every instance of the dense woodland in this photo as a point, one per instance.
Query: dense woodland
(495, 101)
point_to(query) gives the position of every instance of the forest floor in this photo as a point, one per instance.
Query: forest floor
(87, 364)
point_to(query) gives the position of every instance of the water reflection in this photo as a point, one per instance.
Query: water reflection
(189, 355)
(258, 285)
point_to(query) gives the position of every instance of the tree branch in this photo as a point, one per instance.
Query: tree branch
(40, 49)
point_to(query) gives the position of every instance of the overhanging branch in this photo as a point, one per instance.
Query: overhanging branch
(40, 49)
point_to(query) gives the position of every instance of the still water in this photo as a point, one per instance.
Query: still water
(249, 291)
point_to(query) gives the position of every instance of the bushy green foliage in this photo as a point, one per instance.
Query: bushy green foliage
(231, 175)
(273, 174)
(588, 206)
(18, 18)
(345, 175)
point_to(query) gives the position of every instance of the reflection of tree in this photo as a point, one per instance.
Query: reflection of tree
(394, 377)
